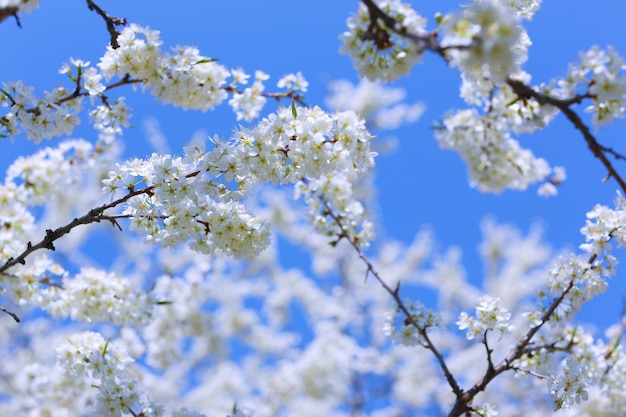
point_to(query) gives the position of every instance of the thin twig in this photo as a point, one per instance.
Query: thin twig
(427, 343)
(10, 313)
(10, 11)
(489, 351)
(94, 216)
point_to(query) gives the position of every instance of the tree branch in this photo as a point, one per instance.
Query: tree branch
(522, 90)
(428, 344)
(5, 12)
(427, 42)
(94, 216)
(110, 21)
(10, 313)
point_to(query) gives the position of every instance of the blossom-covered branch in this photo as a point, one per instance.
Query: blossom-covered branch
(525, 92)
(489, 54)
(419, 326)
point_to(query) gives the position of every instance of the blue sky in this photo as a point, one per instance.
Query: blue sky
(420, 184)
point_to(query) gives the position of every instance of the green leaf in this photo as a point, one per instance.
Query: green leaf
(205, 60)
(164, 303)
(293, 109)
(6, 94)
(104, 349)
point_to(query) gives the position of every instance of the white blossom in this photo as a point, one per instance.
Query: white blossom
(381, 54)
(489, 316)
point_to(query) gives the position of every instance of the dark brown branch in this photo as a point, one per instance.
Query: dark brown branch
(462, 403)
(522, 90)
(5, 12)
(110, 21)
(428, 42)
(611, 151)
(489, 351)
(395, 294)
(10, 313)
(94, 216)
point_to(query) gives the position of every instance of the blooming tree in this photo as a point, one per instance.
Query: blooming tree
(197, 311)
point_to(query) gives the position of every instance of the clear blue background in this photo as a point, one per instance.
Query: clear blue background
(419, 184)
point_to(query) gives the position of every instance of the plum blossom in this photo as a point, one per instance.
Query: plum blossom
(380, 106)
(198, 197)
(489, 316)
(377, 52)
(484, 39)
(495, 160)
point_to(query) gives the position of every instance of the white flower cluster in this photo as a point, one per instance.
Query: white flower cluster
(27, 284)
(604, 224)
(184, 412)
(297, 143)
(56, 113)
(524, 8)
(42, 178)
(41, 118)
(333, 209)
(197, 197)
(402, 331)
(51, 170)
(172, 323)
(77, 69)
(485, 410)
(249, 103)
(489, 316)
(581, 369)
(110, 118)
(380, 106)
(105, 366)
(15, 220)
(183, 204)
(518, 115)
(495, 160)
(90, 296)
(293, 82)
(588, 364)
(571, 386)
(184, 78)
(91, 357)
(93, 295)
(579, 278)
(377, 52)
(485, 39)
(602, 74)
